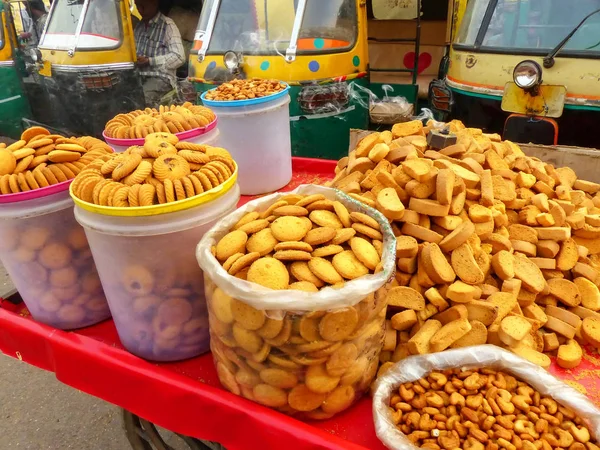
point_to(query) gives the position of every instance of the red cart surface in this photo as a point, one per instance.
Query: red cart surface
(186, 397)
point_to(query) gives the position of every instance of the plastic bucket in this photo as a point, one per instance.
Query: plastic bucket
(47, 256)
(208, 135)
(257, 134)
(148, 269)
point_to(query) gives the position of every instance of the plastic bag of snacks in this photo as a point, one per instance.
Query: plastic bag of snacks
(516, 416)
(295, 347)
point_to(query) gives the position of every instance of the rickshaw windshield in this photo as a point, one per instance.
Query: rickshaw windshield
(101, 25)
(530, 26)
(265, 26)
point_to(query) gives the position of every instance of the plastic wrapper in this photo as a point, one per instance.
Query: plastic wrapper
(311, 354)
(483, 356)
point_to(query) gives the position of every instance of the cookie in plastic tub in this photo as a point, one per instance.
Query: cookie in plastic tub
(296, 291)
(480, 397)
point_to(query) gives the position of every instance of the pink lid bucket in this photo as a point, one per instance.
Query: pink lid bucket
(36, 193)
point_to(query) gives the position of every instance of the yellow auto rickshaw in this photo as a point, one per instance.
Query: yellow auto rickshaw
(527, 69)
(86, 59)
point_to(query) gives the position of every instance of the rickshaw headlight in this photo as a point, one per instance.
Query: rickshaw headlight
(231, 60)
(527, 74)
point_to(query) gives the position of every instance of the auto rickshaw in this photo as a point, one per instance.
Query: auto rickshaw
(86, 58)
(318, 47)
(528, 69)
(13, 102)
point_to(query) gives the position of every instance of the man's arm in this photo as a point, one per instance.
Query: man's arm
(175, 57)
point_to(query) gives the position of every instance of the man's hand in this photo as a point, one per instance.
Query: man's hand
(143, 61)
(25, 35)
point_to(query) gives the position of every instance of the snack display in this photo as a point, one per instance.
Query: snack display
(163, 171)
(492, 245)
(245, 89)
(40, 159)
(168, 119)
(311, 350)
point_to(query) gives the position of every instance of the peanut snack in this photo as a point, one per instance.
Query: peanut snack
(493, 246)
(40, 159)
(245, 89)
(484, 409)
(313, 364)
(164, 170)
(167, 119)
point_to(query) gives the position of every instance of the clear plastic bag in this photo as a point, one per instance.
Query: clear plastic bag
(483, 356)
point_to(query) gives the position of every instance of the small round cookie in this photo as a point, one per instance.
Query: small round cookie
(247, 316)
(290, 228)
(325, 218)
(54, 255)
(340, 399)
(230, 244)
(364, 219)
(324, 270)
(306, 286)
(294, 245)
(365, 252)
(137, 280)
(243, 262)
(301, 398)
(328, 250)
(8, 162)
(270, 273)
(338, 325)
(292, 255)
(348, 265)
(270, 396)
(320, 235)
(65, 277)
(172, 167)
(319, 381)
(301, 272)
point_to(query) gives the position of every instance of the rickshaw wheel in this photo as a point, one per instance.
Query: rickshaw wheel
(143, 435)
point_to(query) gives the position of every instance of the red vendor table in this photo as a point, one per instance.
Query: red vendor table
(186, 397)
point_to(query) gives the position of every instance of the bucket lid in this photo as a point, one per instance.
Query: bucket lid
(154, 210)
(183, 136)
(239, 103)
(35, 193)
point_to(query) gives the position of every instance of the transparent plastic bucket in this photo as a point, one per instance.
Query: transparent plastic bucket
(153, 284)
(47, 256)
(257, 134)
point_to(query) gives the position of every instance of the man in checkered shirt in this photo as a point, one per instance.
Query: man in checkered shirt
(159, 51)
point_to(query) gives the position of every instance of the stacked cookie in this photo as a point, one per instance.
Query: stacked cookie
(164, 170)
(492, 246)
(312, 364)
(40, 159)
(174, 119)
(245, 89)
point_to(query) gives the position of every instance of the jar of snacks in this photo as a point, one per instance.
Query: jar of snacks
(480, 397)
(254, 120)
(42, 246)
(144, 211)
(190, 123)
(296, 290)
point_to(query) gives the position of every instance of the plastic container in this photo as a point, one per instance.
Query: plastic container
(208, 135)
(153, 284)
(257, 134)
(47, 256)
(310, 354)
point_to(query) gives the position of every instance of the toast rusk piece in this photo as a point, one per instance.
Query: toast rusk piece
(560, 327)
(390, 337)
(367, 143)
(547, 249)
(593, 245)
(404, 320)
(436, 264)
(534, 312)
(586, 271)
(505, 302)
(460, 292)
(513, 329)
(562, 314)
(554, 233)
(436, 299)
(532, 356)
(471, 179)
(405, 297)
(550, 342)
(389, 204)
(590, 330)
(448, 334)
(477, 336)
(568, 255)
(590, 295)
(520, 232)
(464, 265)
(503, 265)
(428, 207)
(584, 312)
(544, 263)
(406, 247)
(422, 233)
(569, 355)
(482, 311)
(419, 343)
(457, 237)
(512, 286)
(530, 275)
(455, 313)
(422, 276)
(564, 290)
(527, 248)
(444, 186)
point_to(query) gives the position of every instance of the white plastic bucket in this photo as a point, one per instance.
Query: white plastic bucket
(47, 256)
(257, 134)
(208, 135)
(152, 281)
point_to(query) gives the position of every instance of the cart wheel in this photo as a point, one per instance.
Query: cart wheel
(143, 435)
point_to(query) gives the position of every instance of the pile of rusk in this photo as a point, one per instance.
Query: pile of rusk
(40, 159)
(493, 246)
(169, 119)
(161, 171)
